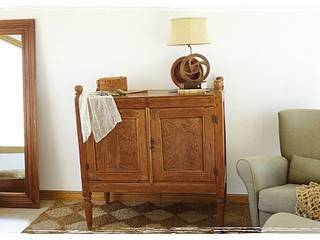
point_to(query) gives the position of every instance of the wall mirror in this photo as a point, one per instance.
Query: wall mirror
(19, 178)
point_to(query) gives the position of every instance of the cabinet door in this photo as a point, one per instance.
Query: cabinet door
(183, 144)
(122, 155)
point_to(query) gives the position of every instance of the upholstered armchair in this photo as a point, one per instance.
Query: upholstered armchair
(271, 181)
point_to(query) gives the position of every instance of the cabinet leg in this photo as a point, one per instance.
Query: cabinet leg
(220, 211)
(87, 205)
(107, 197)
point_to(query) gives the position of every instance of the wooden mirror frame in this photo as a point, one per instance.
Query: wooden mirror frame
(29, 198)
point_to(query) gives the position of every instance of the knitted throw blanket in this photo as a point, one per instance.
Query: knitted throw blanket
(308, 201)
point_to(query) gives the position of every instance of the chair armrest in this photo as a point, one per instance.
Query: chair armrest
(258, 173)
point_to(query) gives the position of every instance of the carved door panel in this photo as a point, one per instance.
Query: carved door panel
(182, 144)
(122, 155)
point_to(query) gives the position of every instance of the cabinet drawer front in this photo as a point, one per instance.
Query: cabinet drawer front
(182, 144)
(122, 155)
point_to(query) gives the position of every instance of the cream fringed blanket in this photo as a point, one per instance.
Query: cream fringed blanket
(308, 201)
(98, 114)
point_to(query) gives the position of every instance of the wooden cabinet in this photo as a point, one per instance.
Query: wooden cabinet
(165, 143)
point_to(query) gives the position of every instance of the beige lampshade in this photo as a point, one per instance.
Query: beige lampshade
(192, 30)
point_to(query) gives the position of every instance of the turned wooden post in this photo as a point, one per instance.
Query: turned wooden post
(220, 149)
(86, 193)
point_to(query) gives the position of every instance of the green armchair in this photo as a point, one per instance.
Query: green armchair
(266, 177)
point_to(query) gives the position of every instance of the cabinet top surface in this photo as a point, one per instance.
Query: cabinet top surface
(163, 93)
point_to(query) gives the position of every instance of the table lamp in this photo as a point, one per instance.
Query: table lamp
(188, 72)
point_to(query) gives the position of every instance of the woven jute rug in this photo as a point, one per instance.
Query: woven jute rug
(141, 217)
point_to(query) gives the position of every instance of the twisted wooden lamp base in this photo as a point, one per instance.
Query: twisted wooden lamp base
(190, 71)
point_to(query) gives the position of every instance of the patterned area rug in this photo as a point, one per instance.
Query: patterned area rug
(142, 217)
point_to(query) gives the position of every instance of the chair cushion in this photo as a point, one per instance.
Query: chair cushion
(278, 199)
(287, 222)
(304, 170)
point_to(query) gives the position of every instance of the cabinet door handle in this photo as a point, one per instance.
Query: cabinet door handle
(214, 119)
(152, 142)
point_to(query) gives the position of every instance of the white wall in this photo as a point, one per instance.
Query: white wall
(163, 3)
(269, 58)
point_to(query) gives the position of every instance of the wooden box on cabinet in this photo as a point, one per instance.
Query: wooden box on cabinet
(166, 143)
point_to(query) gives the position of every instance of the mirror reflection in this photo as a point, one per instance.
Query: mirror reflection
(12, 162)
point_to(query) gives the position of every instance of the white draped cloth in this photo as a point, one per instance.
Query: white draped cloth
(98, 114)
